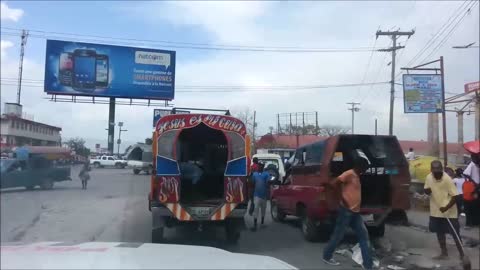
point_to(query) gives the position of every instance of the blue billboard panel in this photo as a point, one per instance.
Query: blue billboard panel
(422, 93)
(84, 69)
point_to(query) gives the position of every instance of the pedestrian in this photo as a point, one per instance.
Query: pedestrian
(260, 182)
(254, 167)
(22, 154)
(251, 187)
(349, 214)
(471, 191)
(443, 213)
(84, 175)
(410, 155)
(458, 180)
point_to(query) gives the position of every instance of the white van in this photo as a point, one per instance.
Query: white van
(272, 160)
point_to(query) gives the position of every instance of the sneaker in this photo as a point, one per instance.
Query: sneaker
(462, 214)
(331, 262)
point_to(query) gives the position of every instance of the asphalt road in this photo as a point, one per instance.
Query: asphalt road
(114, 208)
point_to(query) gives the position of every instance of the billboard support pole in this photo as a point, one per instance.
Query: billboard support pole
(111, 124)
(444, 115)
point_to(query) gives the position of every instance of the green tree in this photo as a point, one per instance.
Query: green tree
(77, 144)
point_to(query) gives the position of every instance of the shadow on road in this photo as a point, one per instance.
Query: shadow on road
(22, 189)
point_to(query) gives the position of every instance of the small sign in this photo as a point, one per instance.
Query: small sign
(338, 156)
(422, 93)
(472, 87)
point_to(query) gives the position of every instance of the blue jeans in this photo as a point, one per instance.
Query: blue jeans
(346, 218)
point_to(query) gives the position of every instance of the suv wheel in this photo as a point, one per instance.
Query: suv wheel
(136, 171)
(309, 230)
(96, 165)
(277, 214)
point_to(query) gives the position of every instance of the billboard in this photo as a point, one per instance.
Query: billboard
(84, 69)
(422, 93)
(159, 113)
(472, 87)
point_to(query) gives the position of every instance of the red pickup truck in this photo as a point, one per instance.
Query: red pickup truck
(304, 191)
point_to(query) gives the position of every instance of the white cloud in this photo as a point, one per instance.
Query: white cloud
(289, 24)
(4, 45)
(12, 14)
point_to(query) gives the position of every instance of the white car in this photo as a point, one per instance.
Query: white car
(113, 255)
(272, 160)
(108, 161)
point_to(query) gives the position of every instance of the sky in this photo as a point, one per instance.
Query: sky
(335, 24)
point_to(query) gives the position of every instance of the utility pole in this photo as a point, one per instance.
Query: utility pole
(20, 65)
(253, 130)
(119, 141)
(393, 49)
(376, 133)
(354, 109)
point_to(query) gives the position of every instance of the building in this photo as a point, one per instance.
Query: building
(16, 130)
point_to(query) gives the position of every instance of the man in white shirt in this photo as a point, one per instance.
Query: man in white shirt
(410, 155)
(473, 169)
(473, 172)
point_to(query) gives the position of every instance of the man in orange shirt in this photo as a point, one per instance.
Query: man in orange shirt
(349, 214)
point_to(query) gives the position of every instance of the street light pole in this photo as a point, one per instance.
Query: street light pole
(119, 141)
(354, 109)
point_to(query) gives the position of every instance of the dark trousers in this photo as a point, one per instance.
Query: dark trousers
(346, 218)
(472, 212)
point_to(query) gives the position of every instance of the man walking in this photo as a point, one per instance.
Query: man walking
(260, 182)
(348, 214)
(443, 214)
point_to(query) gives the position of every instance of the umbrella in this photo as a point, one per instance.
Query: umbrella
(420, 167)
(473, 147)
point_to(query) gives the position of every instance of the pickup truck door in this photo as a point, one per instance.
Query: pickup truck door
(13, 177)
(296, 178)
(111, 161)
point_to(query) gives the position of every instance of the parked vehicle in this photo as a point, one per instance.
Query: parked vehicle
(201, 173)
(304, 193)
(108, 161)
(273, 164)
(139, 158)
(39, 171)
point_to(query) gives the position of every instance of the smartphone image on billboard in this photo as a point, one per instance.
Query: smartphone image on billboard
(65, 69)
(101, 71)
(84, 70)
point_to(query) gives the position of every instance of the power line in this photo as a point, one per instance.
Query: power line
(449, 34)
(139, 42)
(438, 34)
(368, 66)
(239, 89)
(162, 41)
